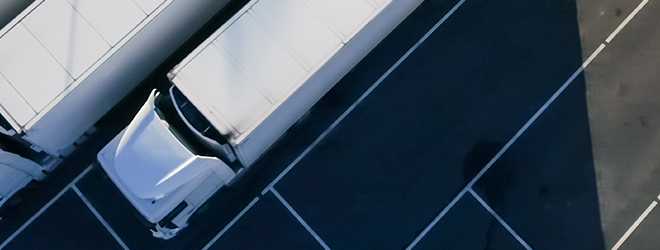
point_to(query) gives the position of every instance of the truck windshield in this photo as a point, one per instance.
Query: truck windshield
(195, 118)
(166, 111)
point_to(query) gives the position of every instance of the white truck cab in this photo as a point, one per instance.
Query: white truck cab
(160, 170)
(235, 95)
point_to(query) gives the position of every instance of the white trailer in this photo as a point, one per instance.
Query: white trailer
(66, 63)
(235, 95)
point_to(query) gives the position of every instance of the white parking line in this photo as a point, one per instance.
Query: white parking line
(27, 223)
(231, 223)
(625, 21)
(635, 225)
(590, 58)
(300, 219)
(498, 218)
(98, 216)
(364, 95)
(506, 147)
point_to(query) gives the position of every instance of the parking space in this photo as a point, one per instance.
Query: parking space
(399, 165)
(469, 226)
(67, 224)
(266, 225)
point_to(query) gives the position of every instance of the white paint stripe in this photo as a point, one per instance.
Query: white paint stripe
(635, 225)
(504, 149)
(27, 223)
(98, 216)
(231, 223)
(362, 97)
(593, 55)
(436, 219)
(492, 212)
(300, 219)
(625, 21)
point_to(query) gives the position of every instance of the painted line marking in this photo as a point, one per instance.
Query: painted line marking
(436, 219)
(506, 147)
(300, 219)
(635, 225)
(231, 223)
(362, 97)
(593, 55)
(625, 21)
(492, 212)
(27, 223)
(99, 217)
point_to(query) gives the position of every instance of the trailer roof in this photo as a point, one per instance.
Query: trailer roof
(247, 68)
(50, 47)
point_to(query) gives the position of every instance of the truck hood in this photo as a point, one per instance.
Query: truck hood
(150, 160)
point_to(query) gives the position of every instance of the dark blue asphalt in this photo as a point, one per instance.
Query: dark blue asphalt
(469, 226)
(386, 171)
(267, 225)
(68, 224)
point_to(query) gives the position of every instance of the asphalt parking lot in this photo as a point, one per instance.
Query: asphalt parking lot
(476, 138)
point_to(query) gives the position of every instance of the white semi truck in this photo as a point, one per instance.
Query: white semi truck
(235, 95)
(65, 63)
